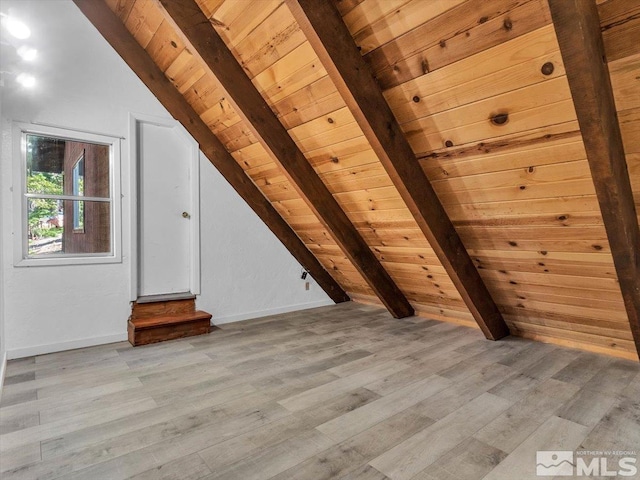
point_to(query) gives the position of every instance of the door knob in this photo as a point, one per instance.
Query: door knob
(185, 215)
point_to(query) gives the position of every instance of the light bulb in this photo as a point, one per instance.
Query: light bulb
(26, 80)
(16, 28)
(27, 53)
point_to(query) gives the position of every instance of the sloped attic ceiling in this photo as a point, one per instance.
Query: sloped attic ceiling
(457, 182)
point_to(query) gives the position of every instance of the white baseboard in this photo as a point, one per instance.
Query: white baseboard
(273, 311)
(3, 369)
(60, 347)
(90, 342)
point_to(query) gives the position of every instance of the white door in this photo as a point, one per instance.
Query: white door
(167, 210)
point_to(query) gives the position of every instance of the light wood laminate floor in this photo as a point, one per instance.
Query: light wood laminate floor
(343, 392)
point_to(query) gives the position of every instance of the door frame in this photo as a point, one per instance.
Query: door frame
(135, 119)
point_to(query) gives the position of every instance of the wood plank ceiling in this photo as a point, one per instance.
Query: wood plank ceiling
(479, 92)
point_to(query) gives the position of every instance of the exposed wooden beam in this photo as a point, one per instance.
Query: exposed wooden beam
(323, 26)
(577, 27)
(112, 29)
(215, 56)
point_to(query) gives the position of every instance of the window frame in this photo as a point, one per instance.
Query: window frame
(21, 197)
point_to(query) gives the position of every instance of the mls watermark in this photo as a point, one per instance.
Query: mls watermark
(586, 463)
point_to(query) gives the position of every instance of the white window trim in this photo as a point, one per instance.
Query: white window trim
(20, 240)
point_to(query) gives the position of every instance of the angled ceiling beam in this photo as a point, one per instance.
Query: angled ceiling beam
(324, 28)
(215, 56)
(577, 27)
(112, 29)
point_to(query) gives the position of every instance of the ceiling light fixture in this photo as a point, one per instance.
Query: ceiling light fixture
(15, 27)
(27, 53)
(26, 80)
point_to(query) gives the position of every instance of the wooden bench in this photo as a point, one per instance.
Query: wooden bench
(166, 323)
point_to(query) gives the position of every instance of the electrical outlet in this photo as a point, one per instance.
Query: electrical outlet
(306, 285)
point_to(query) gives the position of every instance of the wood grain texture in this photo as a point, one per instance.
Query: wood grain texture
(249, 103)
(325, 30)
(520, 194)
(457, 33)
(620, 24)
(439, 399)
(577, 25)
(139, 61)
(159, 328)
(140, 310)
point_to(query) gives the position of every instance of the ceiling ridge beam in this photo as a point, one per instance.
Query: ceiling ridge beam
(325, 30)
(117, 35)
(577, 27)
(214, 55)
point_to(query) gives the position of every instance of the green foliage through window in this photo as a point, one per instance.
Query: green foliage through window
(42, 210)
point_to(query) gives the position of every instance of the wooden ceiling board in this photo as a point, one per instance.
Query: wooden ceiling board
(165, 46)
(540, 95)
(500, 69)
(620, 24)
(551, 208)
(450, 167)
(270, 41)
(458, 33)
(143, 21)
(625, 80)
(384, 28)
(519, 176)
(525, 121)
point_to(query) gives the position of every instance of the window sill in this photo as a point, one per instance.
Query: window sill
(61, 261)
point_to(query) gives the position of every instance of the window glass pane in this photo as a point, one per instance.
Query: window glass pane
(56, 166)
(45, 224)
(54, 227)
(45, 161)
(78, 190)
(78, 176)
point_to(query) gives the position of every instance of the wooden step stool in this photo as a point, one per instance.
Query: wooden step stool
(154, 319)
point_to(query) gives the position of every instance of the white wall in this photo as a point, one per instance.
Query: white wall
(83, 84)
(246, 272)
(3, 351)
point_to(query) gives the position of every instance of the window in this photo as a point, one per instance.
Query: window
(69, 197)
(78, 191)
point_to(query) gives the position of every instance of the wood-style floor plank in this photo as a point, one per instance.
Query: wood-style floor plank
(554, 434)
(342, 392)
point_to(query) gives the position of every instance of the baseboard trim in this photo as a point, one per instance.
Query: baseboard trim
(273, 311)
(122, 337)
(3, 369)
(60, 347)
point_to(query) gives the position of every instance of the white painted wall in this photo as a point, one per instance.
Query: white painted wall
(3, 351)
(246, 272)
(83, 84)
